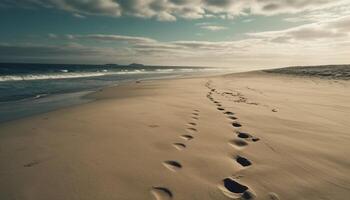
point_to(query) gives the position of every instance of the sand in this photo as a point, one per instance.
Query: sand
(341, 72)
(242, 136)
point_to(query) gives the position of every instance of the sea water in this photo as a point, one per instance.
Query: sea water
(27, 89)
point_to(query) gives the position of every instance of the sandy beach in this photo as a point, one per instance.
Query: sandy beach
(251, 135)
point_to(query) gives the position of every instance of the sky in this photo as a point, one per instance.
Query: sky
(217, 33)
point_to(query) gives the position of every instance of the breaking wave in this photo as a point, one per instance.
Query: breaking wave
(69, 75)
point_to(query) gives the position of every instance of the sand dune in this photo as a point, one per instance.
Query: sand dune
(242, 136)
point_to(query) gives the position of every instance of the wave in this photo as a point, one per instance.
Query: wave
(29, 77)
(38, 96)
(165, 70)
(64, 74)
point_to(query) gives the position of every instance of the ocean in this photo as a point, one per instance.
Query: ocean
(27, 89)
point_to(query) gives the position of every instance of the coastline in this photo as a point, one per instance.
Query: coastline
(24, 108)
(151, 139)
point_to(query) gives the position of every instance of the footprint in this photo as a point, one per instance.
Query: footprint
(236, 124)
(153, 126)
(248, 195)
(235, 190)
(187, 137)
(192, 124)
(179, 146)
(221, 109)
(172, 165)
(243, 161)
(238, 143)
(196, 118)
(273, 196)
(161, 193)
(247, 136)
(216, 102)
(32, 163)
(192, 129)
(243, 135)
(219, 105)
(196, 110)
(229, 113)
(232, 117)
(195, 114)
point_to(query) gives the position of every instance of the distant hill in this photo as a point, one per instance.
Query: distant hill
(113, 65)
(136, 65)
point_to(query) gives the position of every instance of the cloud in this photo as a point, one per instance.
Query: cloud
(248, 20)
(272, 7)
(332, 12)
(214, 28)
(191, 46)
(115, 38)
(98, 7)
(314, 43)
(330, 29)
(171, 10)
(211, 26)
(341, 25)
(79, 16)
(69, 53)
(52, 35)
(43, 51)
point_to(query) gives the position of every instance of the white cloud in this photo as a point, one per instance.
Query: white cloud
(314, 43)
(79, 16)
(211, 26)
(117, 38)
(30, 50)
(99, 7)
(332, 12)
(248, 20)
(331, 29)
(53, 36)
(214, 28)
(170, 10)
(68, 53)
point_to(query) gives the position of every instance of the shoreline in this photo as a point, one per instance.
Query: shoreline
(258, 135)
(79, 98)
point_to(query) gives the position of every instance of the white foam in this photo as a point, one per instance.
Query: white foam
(29, 77)
(68, 75)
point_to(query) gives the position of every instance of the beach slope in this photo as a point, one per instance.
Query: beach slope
(252, 135)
